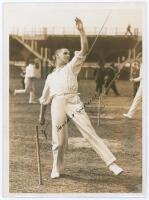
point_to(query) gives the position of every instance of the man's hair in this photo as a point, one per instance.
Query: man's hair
(57, 52)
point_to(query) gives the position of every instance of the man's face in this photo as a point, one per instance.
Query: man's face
(63, 56)
(135, 65)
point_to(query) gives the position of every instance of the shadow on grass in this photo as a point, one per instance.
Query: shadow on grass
(132, 183)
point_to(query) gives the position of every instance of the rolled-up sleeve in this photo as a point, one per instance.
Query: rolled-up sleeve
(45, 98)
(77, 61)
(138, 79)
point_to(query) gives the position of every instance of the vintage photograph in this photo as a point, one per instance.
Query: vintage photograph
(75, 87)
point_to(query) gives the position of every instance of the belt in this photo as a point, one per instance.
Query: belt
(65, 93)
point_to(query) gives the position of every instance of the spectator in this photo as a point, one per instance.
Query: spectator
(99, 78)
(110, 73)
(128, 31)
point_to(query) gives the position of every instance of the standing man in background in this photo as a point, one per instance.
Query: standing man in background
(110, 73)
(99, 78)
(128, 31)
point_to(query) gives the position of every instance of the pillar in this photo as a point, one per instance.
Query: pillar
(86, 74)
(41, 52)
(35, 45)
(32, 44)
(133, 53)
(129, 54)
(49, 53)
(46, 53)
(118, 60)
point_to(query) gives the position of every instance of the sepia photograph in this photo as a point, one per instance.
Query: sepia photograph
(75, 99)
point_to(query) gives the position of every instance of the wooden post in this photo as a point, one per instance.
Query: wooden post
(38, 156)
(98, 111)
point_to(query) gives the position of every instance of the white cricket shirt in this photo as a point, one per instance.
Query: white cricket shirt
(63, 80)
(32, 72)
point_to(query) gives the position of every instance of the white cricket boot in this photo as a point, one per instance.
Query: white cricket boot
(115, 169)
(55, 174)
(127, 116)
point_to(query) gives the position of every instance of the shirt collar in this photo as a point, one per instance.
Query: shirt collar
(58, 68)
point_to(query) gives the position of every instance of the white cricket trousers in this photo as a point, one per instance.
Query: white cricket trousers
(70, 105)
(29, 88)
(137, 99)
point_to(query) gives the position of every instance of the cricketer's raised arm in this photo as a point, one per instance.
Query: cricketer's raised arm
(83, 37)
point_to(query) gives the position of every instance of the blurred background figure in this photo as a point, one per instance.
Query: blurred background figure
(32, 73)
(110, 80)
(128, 30)
(99, 78)
(135, 69)
(138, 97)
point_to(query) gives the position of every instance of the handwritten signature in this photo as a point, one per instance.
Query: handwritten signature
(59, 127)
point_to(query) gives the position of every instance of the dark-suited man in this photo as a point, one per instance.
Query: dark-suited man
(99, 78)
(110, 73)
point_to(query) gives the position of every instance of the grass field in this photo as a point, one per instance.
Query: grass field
(84, 171)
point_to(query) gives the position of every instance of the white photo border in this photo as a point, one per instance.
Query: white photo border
(4, 133)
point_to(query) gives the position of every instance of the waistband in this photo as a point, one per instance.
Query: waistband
(66, 93)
